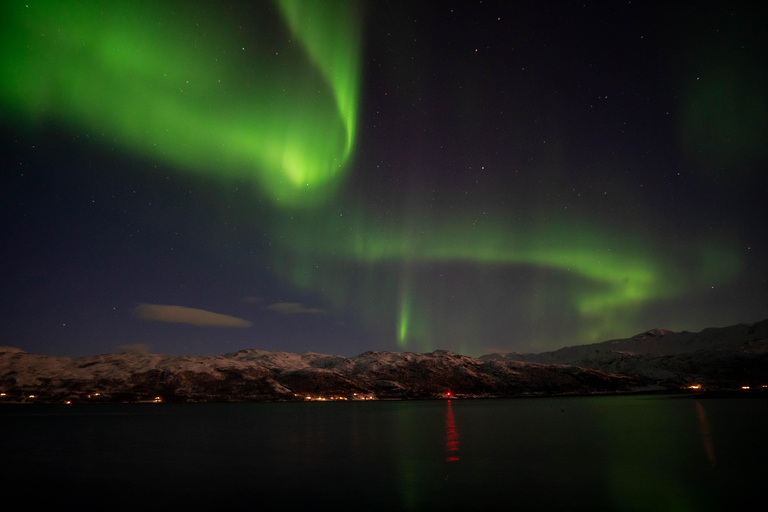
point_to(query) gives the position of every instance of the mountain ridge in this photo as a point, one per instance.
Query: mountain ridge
(655, 360)
(711, 356)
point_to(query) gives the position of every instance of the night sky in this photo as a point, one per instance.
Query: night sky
(203, 177)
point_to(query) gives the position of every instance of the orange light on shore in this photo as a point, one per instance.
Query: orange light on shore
(695, 386)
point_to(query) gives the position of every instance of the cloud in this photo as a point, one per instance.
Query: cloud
(293, 308)
(142, 348)
(191, 316)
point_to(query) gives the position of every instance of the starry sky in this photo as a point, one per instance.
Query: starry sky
(203, 177)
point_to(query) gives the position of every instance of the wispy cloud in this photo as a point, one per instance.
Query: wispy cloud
(293, 308)
(184, 315)
(143, 348)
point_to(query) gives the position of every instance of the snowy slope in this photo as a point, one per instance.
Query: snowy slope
(728, 356)
(723, 357)
(264, 375)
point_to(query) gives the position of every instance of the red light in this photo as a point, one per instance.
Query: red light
(448, 393)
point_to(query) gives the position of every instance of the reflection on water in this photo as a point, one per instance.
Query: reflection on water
(451, 437)
(579, 453)
(706, 437)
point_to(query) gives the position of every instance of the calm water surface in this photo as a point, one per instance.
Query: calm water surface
(580, 453)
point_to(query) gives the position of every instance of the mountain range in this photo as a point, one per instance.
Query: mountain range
(728, 358)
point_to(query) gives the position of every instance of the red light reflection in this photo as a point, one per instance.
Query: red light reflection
(451, 437)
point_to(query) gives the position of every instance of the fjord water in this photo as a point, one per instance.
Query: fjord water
(577, 453)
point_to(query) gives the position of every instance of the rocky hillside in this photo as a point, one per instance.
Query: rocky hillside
(727, 357)
(655, 360)
(262, 375)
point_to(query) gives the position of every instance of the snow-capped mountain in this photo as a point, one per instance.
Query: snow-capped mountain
(726, 357)
(263, 375)
(658, 359)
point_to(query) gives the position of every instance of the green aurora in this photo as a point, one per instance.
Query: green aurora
(167, 84)
(282, 108)
(617, 273)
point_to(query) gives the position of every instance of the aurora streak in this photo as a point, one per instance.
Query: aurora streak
(280, 106)
(167, 83)
(620, 273)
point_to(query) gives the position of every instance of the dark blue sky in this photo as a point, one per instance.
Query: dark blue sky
(494, 139)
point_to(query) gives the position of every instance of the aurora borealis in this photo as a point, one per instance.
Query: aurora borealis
(341, 177)
(181, 96)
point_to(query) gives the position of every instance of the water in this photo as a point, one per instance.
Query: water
(580, 453)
